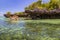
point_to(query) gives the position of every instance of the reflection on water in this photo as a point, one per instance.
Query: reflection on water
(6, 26)
(22, 30)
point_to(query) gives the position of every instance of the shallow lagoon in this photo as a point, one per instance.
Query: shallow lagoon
(30, 30)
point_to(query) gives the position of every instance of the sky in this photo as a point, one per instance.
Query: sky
(14, 5)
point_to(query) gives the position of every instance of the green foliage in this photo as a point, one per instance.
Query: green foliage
(53, 4)
(8, 13)
(19, 13)
(34, 5)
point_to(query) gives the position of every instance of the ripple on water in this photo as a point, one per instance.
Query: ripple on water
(6, 26)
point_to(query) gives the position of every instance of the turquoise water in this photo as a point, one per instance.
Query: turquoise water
(33, 30)
(10, 27)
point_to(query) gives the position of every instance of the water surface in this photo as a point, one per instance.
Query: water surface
(33, 30)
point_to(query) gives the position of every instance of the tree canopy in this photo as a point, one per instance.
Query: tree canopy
(52, 4)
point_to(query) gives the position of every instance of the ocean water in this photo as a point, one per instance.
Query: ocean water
(32, 30)
(6, 26)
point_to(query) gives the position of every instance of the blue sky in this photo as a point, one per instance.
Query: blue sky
(14, 5)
